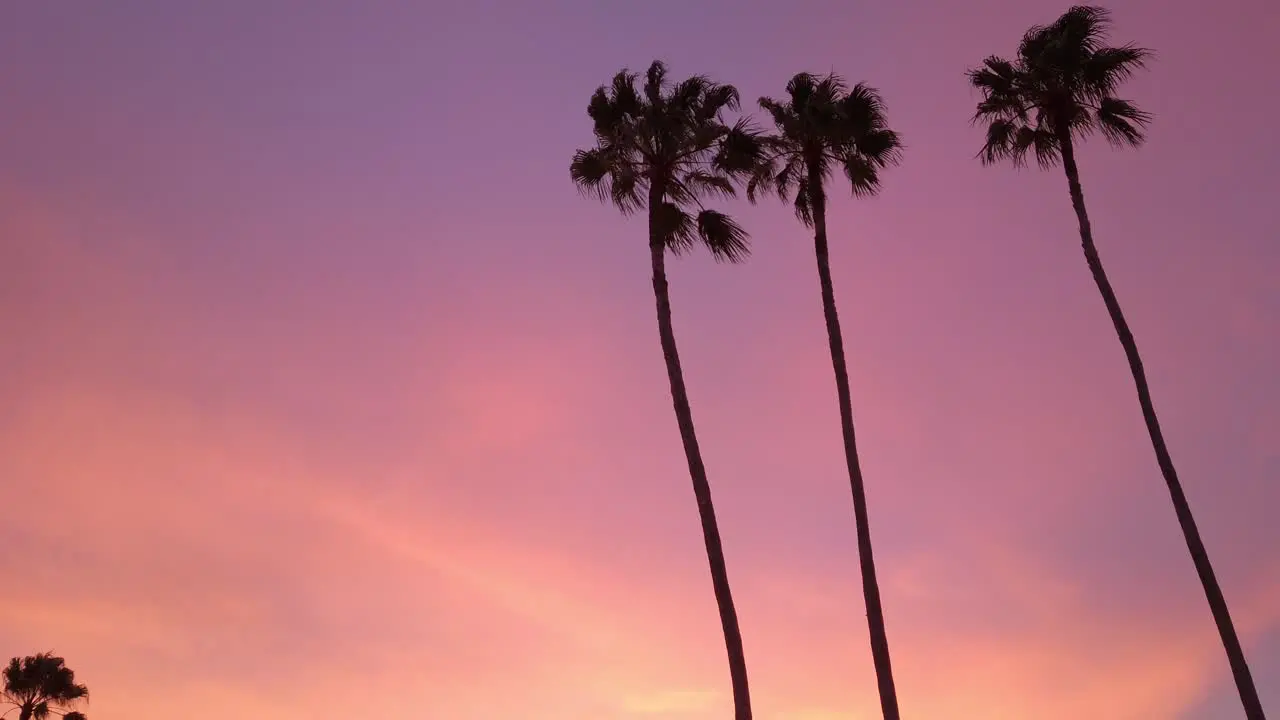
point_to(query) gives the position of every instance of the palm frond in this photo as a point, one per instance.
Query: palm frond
(998, 80)
(718, 98)
(783, 116)
(761, 180)
(776, 174)
(801, 87)
(1083, 26)
(996, 75)
(655, 80)
(1121, 122)
(1042, 142)
(612, 107)
(831, 87)
(1103, 71)
(863, 108)
(863, 175)
(999, 142)
(1013, 141)
(675, 228)
(701, 183)
(740, 151)
(790, 176)
(882, 147)
(603, 173)
(689, 96)
(723, 236)
(803, 204)
(1076, 34)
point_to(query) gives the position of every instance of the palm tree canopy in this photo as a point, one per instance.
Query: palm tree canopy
(824, 124)
(42, 682)
(666, 143)
(1062, 83)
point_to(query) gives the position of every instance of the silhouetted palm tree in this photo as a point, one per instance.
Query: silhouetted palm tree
(40, 686)
(662, 149)
(824, 127)
(1060, 89)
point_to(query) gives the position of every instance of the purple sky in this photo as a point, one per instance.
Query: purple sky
(321, 387)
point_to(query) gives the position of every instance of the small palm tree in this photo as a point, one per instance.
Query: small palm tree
(824, 127)
(663, 149)
(40, 686)
(1060, 89)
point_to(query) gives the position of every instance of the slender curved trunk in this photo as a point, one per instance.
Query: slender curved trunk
(1200, 556)
(698, 474)
(870, 586)
(25, 712)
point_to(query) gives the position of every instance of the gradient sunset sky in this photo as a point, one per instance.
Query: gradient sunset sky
(323, 393)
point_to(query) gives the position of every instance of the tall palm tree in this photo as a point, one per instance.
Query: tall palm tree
(822, 127)
(663, 148)
(1060, 89)
(40, 686)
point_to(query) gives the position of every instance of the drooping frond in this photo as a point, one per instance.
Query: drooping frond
(665, 147)
(717, 99)
(803, 204)
(672, 223)
(712, 229)
(605, 173)
(863, 175)
(1060, 86)
(1121, 122)
(724, 237)
(1016, 142)
(999, 144)
(864, 130)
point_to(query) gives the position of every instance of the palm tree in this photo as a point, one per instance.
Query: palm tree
(824, 126)
(663, 149)
(1060, 89)
(40, 686)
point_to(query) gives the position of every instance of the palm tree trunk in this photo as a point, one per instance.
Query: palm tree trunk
(870, 586)
(1200, 556)
(701, 488)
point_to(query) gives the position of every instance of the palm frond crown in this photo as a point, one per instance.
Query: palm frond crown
(666, 147)
(821, 126)
(43, 683)
(1061, 84)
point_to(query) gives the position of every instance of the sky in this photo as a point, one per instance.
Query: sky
(324, 393)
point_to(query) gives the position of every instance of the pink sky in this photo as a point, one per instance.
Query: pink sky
(322, 392)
